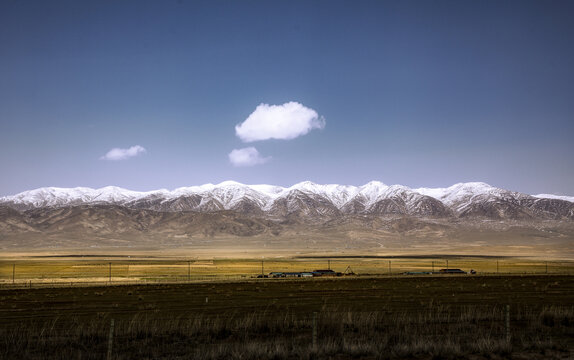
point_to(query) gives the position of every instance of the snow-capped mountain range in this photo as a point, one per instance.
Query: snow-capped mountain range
(310, 199)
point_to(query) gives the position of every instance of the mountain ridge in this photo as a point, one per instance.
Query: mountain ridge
(463, 200)
(375, 217)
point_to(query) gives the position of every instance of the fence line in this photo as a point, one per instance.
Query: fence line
(60, 283)
(49, 273)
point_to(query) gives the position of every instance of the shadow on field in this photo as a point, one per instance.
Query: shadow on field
(433, 333)
(378, 319)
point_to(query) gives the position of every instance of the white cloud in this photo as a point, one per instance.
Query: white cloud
(123, 154)
(286, 121)
(248, 156)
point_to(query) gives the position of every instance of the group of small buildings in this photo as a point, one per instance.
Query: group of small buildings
(305, 274)
(441, 272)
(327, 273)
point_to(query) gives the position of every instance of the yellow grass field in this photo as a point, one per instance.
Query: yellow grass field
(41, 270)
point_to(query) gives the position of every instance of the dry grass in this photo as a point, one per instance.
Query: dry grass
(78, 270)
(437, 332)
(358, 318)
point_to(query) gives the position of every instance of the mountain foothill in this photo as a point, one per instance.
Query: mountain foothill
(300, 215)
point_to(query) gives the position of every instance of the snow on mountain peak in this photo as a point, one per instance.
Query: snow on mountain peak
(457, 192)
(229, 194)
(557, 197)
(229, 183)
(305, 186)
(375, 184)
(337, 194)
(373, 190)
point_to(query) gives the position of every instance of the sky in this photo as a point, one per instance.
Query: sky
(164, 94)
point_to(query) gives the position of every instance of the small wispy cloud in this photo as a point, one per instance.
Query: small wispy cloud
(285, 122)
(116, 154)
(248, 156)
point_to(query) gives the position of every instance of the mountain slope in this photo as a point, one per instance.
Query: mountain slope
(312, 201)
(375, 217)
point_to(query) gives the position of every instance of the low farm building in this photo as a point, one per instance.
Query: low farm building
(326, 273)
(307, 274)
(292, 274)
(451, 271)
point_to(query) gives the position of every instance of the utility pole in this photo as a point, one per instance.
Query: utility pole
(110, 340)
(314, 331)
(507, 323)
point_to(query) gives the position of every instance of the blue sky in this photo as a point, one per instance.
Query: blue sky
(418, 93)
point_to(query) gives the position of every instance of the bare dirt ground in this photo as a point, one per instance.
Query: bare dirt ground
(550, 240)
(268, 247)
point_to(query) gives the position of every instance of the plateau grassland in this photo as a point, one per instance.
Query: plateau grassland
(360, 317)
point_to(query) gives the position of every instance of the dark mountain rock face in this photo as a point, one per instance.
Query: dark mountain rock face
(551, 208)
(240, 210)
(117, 220)
(182, 203)
(247, 207)
(393, 206)
(428, 206)
(354, 206)
(496, 210)
(304, 205)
